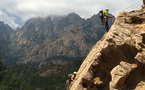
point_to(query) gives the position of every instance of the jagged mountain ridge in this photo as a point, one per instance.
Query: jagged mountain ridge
(54, 38)
(5, 32)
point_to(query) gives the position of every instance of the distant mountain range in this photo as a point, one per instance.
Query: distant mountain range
(52, 38)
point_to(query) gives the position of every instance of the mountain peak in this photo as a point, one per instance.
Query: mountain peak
(73, 15)
(54, 38)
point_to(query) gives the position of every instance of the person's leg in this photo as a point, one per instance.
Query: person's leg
(106, 24)
(103, 21)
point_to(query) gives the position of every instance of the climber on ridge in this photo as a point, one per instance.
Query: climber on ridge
(73, 76)
(70, 80)
(104, 18)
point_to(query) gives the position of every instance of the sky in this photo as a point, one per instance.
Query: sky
(16, 12)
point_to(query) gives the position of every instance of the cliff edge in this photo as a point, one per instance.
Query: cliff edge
(117, 61)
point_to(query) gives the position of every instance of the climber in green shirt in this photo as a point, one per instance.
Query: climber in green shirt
(106, 16)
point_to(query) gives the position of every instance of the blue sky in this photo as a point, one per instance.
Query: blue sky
(16, 12)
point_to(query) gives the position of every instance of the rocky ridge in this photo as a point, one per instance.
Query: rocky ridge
(5, 32)
(117, 60)
(55, 38)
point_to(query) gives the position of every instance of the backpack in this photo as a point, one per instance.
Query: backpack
(101, 14)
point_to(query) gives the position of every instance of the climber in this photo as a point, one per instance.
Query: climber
(104, 18)
(73, 77)
(68, 81)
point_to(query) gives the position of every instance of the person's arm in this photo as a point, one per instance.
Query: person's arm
(112, 16)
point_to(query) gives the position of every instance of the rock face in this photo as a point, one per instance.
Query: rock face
(55, 38)
(119, 75)
(117, 61)
(5, 32)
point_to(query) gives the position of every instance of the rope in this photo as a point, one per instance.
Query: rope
(130, 7)
(127, 7)
(134, 6)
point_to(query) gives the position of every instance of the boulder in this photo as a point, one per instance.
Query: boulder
(119, 75)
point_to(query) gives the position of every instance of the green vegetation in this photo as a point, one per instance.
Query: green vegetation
(23, 77)
(11, 81)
